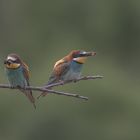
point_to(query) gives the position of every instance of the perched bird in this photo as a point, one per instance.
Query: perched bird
(69, 67)
(18, 75)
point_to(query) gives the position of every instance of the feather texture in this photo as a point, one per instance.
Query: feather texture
(68, 68)
(19, 77)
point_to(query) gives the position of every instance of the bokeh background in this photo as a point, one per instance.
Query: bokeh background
(42, 32)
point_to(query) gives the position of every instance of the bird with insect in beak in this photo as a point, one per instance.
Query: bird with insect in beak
(69, 67)
(18, 75)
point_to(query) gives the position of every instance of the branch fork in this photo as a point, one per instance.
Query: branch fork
(61, 83)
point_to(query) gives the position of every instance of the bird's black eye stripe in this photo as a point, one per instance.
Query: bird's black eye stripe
(14, 61)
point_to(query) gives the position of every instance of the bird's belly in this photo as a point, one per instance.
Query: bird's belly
(70, 75)
(73, 73)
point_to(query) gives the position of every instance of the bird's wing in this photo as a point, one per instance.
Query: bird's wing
(58, 71)
(28, 93)
(26, 71)
(59, 62)
(60, 67)
(52, 79)
(65, 68)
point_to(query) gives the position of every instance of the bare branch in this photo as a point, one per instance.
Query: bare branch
(76, 80)
(42, 89)
(46, 88)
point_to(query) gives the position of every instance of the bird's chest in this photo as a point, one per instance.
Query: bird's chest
(16, 77)
(76, 67)
(74, 71)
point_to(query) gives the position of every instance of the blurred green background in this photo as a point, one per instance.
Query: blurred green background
(42, 32)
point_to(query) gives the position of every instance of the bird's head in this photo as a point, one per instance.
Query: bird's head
(79, 53)
(81, 56)
(12, 61)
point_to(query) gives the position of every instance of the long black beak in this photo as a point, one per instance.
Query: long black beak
(86, 54)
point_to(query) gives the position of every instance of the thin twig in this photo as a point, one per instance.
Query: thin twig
(76, 80)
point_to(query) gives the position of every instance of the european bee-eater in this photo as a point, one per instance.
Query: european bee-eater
(69, 67)
(18, 75)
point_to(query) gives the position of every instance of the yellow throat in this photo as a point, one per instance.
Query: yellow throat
(12, 66)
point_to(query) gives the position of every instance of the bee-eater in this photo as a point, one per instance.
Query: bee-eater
(18, 75)
(69, 67)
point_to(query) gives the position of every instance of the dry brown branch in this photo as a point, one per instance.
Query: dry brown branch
(76, 80)
(41, 89)
(46, 88)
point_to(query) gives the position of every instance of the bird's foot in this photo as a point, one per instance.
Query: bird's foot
(75, 80)
(19, 87)
(12, 87)
(62, 82)
(24, 88)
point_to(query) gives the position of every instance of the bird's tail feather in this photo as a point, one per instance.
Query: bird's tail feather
(43, 94)
(30, 96)
(53, 79)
